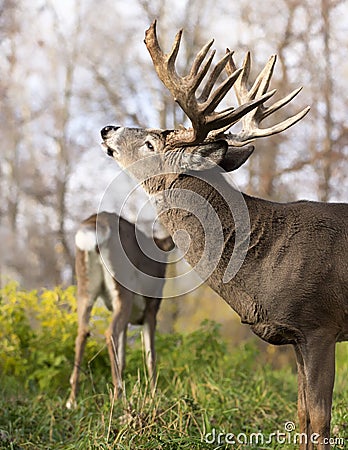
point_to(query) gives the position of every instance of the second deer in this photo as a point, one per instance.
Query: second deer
(109, 250)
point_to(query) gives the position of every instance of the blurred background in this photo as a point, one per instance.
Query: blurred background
(70, 67)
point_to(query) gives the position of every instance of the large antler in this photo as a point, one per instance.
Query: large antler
(251, 120)
(206, 122)
(201, 111)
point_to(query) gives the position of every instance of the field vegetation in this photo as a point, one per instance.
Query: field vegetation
(209, 394)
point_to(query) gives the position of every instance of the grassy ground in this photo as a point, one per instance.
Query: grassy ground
(204, 392)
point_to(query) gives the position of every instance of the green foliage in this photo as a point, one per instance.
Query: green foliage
(37, 331)
(202, 387)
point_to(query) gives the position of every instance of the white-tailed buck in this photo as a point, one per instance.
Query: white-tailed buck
(289, 261)
(111, 251)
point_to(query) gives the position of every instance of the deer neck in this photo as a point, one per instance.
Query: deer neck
(214, 224)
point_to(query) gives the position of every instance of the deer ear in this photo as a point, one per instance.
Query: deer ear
(235, 157)
(204, 156)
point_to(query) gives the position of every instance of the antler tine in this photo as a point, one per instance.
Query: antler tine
(199, 59)
(225, 119)
(262, 81)
(220, 93)
(240, 87)
(220, 66)
(174, 51)
(282, 126)
(252, 119)
(280, 103)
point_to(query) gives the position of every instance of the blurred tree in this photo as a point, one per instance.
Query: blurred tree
(70, 68)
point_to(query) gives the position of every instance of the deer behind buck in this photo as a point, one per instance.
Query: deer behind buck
(292, 282)
(109, 249)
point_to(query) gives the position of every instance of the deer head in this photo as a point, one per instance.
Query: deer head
(206, 144)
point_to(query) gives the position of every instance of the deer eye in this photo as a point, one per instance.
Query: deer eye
(149, 145)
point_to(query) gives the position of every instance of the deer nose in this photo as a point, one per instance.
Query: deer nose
(105, 131)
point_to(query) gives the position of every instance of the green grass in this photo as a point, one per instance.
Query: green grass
(202, 388)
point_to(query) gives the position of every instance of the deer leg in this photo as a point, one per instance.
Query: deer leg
(302, 407)
(116, 336)
(319, 370)
(84, 309)
(149, 329)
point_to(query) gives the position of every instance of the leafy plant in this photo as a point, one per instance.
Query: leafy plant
(203, 389)
(37, 331)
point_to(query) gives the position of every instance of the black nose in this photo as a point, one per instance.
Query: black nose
(104, 132)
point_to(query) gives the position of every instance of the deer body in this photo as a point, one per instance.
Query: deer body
(292, 287)
(104, 243)
(295, 273)
(292, 282)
